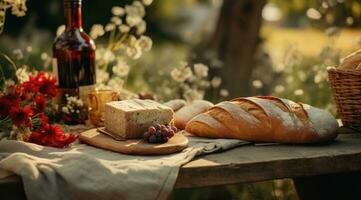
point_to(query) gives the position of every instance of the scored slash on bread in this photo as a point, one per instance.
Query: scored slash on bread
(265, 119)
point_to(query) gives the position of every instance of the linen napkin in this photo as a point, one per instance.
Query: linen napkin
(86, 172)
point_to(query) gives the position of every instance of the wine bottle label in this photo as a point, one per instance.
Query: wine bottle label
(84, 91)
(55, 70)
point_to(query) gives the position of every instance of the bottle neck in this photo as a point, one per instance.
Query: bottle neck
(73, 14)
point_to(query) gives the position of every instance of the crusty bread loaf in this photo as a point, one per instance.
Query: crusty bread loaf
(131, 118)
(351, 61)
(265, 119)
(186, 113)
(175, 104)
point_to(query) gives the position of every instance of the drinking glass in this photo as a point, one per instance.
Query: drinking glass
(96, 101)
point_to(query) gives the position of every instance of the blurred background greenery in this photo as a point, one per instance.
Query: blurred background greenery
(272, 47)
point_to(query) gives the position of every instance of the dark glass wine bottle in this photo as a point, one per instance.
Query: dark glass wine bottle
(74, 56)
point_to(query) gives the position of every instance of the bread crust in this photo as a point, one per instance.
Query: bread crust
(176, 104)
(265, 119)
(186, 113)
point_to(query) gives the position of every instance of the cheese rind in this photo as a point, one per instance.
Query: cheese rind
(131, 118)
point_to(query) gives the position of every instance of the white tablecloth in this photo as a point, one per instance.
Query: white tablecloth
(85, 172)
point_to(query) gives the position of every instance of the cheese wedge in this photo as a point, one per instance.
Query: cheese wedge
(131, 118)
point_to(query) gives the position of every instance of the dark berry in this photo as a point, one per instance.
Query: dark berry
(157, 126)
(164, 132)
(164, 139)
(146, 135)
(174, 128)
(170, 134)
(151, 130)
(158, 134)
(153, 139)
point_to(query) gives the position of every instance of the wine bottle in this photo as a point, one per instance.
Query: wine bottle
(74, 56)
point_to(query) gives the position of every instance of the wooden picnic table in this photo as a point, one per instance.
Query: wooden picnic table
(323, 171)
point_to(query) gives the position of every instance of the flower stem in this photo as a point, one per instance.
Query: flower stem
(12, 64)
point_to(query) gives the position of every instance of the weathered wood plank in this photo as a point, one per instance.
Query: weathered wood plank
(260, 163)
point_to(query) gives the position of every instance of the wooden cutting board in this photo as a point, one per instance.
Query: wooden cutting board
(134, 146)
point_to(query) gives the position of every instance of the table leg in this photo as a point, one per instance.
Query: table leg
(330, 187)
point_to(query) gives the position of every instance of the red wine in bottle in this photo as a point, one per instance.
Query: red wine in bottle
(74, 56)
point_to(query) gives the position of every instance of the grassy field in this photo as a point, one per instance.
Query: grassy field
(308, 41)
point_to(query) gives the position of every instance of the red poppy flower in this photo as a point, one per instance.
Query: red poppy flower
(40, 104)
(13, 96)
(21, 116)
(46, 84)
(28, 88)
(52, 136)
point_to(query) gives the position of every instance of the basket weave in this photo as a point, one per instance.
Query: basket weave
(346, 91)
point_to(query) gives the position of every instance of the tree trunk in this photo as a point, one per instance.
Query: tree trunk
(235, 40)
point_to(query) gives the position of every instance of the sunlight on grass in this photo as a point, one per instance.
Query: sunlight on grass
(307, 41)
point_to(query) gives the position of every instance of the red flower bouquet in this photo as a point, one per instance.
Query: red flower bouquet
(22, 112)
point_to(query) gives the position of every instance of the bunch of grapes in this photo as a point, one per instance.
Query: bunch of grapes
(159, 133)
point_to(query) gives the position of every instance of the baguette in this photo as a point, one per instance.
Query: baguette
(265, 119)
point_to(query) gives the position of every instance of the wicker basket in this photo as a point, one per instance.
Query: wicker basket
(346, 91)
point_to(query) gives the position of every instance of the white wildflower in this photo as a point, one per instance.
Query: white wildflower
(145, 43)
(201, 70)
(204, 83)
(29, 49)
(192, 95)
(47, 60)
(9, 83)
(136, 9)
(60, 30)
(257, 84)
(279, 89)
(96, 31)
(22, 74)
(116, 83)
(224, 93)
(44, 56)
(133, 20)
(73, 103)
(116, 20)
(123, 28)
(121, 68)
(110, 27)
(216, 82)
(65, 110)
(104, 56)
(79, 103)
(298, 92)
(181, 74)
(20, 133)
(134, 52)
(18, 53)
(18, 8)
(319, 77)
(147, 2)
(141, 27)
(102, 76)
(118, 11)
(302, 75)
